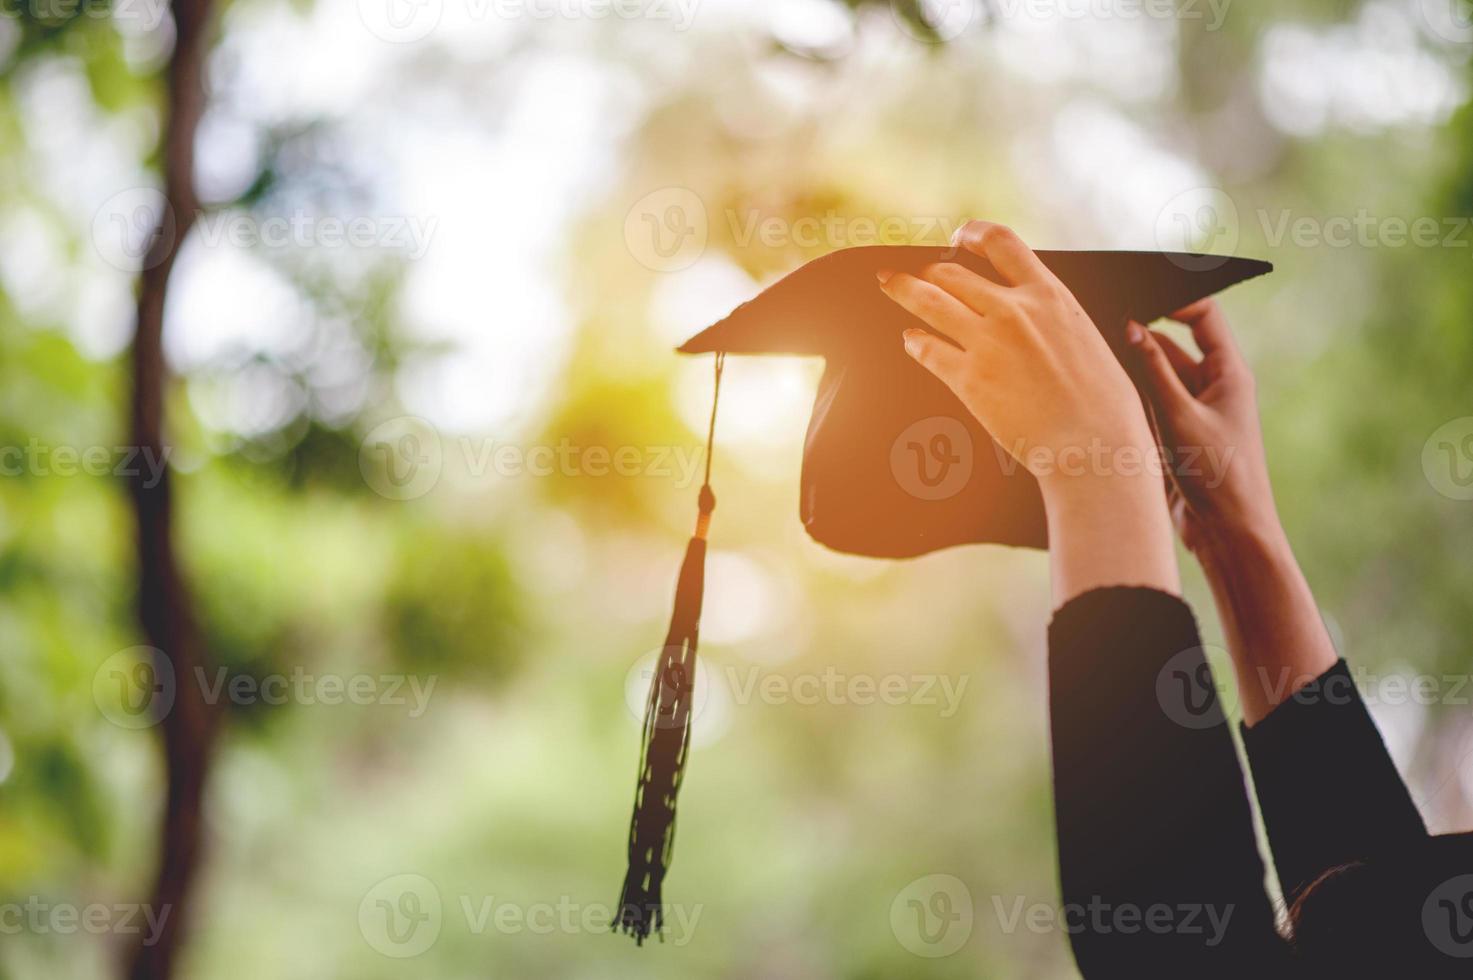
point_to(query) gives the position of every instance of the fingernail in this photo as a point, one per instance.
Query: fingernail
(884, 275)
(1135, 333)
(912, 338)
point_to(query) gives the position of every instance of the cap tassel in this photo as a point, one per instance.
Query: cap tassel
(665, 742)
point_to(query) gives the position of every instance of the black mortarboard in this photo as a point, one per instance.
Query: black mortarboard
(893, 466)
(876, 480)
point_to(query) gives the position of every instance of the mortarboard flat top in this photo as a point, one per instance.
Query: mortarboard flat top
(894, 466)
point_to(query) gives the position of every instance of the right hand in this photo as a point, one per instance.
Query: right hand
(1022, 356)
(1026, 360)
(1206, 418)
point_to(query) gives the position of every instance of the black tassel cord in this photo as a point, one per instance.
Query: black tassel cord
(665, 743)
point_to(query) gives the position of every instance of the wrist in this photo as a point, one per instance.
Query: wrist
(1114, 483)
(1109, 530)
(1102, 492)
(1225, 547)
(1274, 629)
(1088, 464)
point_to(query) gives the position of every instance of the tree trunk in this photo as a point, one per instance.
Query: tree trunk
(164, 605)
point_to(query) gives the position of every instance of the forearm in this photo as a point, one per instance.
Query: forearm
(1328, 789)
(1274, 631)
(1109, 530)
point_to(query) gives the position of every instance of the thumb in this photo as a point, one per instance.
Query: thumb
(1164, 385)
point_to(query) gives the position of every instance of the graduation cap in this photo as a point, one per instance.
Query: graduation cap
(893, 465)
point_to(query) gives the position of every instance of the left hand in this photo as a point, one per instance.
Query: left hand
(1208, 408)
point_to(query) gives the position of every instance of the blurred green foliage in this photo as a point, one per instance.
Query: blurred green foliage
(525, 601)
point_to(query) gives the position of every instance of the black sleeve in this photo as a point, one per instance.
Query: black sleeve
(1327, 787)
(1160, 870)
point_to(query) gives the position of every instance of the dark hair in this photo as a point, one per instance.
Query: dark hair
(1407, 914)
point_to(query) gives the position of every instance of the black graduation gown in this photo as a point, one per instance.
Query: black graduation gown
(1159, 866)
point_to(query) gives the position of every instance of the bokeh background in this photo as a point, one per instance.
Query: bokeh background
(429, 442)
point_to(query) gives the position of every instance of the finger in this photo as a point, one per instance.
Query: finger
(979, 293)
(1187, 367)
(946, 362)
(1000, 245)
(1209, 327)
(933, 305)
(1163, 385)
